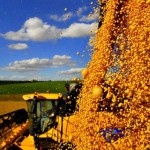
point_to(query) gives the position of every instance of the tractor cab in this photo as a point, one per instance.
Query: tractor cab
(44, 107)
(42, 111)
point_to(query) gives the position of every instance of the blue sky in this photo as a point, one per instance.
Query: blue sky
(45, 39)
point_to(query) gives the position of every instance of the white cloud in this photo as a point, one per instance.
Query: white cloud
(36, 30)
(28, 65)
(36, 64)
(64, 17)
(68, 15)
(16, 77)
(81, 10)
(26, 76)
(18, 46)
(89, 18)
(63, 60)
(71, 71)
(79, 30)
(3, 77)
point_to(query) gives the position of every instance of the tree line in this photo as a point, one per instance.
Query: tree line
(2, 82)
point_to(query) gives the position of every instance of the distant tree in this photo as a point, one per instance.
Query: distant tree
(33, 80)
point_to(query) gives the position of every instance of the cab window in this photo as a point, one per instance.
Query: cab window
(47, 105)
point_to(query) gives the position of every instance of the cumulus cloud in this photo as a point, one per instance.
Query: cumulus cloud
(64, 17)
(18, 46)
(71, 71)
(63, 60)
(79, 30)
(36, 64)
(36, 30)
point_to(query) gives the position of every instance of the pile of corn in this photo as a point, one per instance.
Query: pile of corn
(121, 59)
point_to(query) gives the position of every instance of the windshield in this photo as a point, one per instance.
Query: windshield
(30, 106)
(42, 114)
(42, 107)
(48, 106)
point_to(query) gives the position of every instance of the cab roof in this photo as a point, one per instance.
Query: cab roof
(44, 96)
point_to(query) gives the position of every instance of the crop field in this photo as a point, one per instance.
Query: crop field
(24, 88)
(11, 94)
(9, 106)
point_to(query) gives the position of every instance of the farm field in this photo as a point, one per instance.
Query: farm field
(9, 106)
(11, 94)
(24, 88)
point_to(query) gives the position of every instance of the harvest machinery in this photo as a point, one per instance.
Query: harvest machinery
(51, 117)
(13, 128)
(48, 123)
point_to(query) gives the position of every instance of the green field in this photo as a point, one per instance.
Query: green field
(24, 88)
(11, 92)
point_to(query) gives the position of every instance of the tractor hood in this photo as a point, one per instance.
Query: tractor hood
(50, 96)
